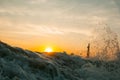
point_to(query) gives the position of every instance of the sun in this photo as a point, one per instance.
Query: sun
(48, 49)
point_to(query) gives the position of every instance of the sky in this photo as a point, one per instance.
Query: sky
(65, 25)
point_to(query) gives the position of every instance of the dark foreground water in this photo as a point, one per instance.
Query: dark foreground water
(19, 64)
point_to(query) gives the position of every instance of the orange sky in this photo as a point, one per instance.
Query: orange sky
(63, 25)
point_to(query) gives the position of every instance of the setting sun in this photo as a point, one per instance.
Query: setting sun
(48, 49)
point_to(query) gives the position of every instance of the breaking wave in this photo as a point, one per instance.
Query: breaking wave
(19, 64)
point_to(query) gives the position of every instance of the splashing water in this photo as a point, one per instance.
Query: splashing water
(105, 45)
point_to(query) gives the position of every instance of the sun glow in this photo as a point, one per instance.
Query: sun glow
(48, 49)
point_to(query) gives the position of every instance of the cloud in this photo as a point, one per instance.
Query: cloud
(37, 1)
(56, 17)
(8, 26)
(45, 29)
